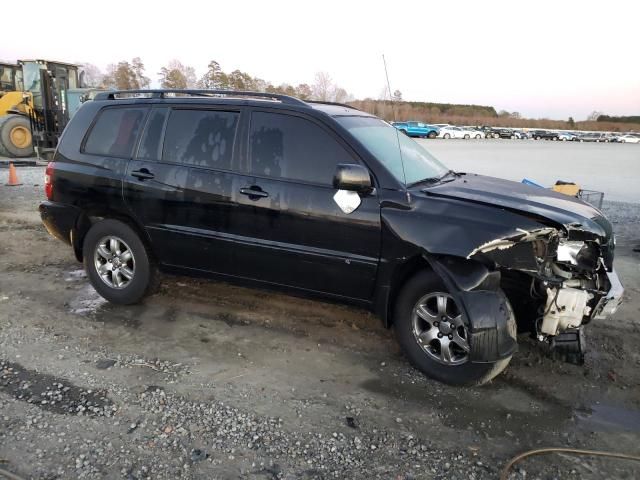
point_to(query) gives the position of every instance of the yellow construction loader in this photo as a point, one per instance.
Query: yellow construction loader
(37, 99)
(16, 106)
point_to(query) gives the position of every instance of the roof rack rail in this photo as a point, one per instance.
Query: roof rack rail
(163, 93)
(322, 102)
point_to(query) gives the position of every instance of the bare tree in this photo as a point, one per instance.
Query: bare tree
(92, 76)
(593, 116)
(323, 87)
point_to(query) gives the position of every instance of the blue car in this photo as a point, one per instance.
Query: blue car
(417, 129)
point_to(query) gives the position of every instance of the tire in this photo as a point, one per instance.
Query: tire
(422, 285)
(478, 137)
(432, 135)
(537, 138)
(446, 136)
(140, 265)
(15, 136)
(467, 136)
(564, 139)
(621, 141)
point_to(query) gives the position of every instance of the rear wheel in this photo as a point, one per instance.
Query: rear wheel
(467, 136)
(432, 331)
(15, 136)
(117, 262)
(446, 136)
(478, 136)
(432, 135)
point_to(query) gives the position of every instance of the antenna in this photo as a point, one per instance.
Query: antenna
(393, 108)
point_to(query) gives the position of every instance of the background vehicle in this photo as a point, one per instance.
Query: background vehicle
(506, 133)
(629, 138)
(544, 135)
(37, 100)
(521, 135)
(417, 129)
(592, 137)
(567, 136)
(454, 132)
(474, 132)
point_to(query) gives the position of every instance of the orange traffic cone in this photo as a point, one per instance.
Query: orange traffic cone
(13, 177)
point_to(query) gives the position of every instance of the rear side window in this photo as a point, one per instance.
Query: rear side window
(202, 138)
(285, 146)
(115, 132)
(150, 143)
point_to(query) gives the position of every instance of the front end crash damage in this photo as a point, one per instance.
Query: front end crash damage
(566, 279)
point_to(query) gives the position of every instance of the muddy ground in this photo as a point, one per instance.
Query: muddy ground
(207, 380)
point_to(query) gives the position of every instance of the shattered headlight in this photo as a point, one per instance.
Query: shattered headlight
(581, 254)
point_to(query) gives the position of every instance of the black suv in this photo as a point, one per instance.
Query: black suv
(545, 135)
(324, 199)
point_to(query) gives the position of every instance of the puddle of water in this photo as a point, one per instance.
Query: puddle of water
(87, 302)
(605, 417)
(75, 275)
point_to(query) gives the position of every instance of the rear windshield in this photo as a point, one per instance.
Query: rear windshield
(403, 157)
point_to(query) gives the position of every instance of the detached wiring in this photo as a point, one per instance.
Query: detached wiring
(542, 451)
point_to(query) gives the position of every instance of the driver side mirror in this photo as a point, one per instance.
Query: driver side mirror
(352, 177)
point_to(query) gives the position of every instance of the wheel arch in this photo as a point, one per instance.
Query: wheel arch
(89, 217)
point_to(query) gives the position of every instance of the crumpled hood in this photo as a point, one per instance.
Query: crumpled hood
(573, 214)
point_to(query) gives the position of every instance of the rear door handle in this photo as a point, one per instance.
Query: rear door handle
(142, 174)
(255, 192)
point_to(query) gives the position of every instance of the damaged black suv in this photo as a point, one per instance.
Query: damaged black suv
(324, 199)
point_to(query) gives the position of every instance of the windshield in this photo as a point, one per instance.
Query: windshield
(382, 141)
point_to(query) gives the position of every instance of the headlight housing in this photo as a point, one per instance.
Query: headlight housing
(581, 254)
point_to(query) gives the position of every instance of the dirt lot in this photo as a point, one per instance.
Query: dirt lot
(207, 380)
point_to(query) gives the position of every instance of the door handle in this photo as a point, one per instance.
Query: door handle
(142, 174)
(254, 192)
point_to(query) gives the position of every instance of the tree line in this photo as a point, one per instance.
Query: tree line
(130, 75)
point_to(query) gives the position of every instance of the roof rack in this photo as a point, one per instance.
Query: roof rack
(164, 93)
(321, 102)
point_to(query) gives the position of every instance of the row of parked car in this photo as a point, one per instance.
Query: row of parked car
(446, 131)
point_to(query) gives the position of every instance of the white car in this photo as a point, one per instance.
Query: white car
(474, 133)
(626, 139)
(454, 132)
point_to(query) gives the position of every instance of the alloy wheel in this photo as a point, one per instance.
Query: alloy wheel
(114, 261)
(439, 330)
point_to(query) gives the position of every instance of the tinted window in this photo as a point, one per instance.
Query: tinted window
(115, 132)
(291, 147)
(200, 137)
(150, 144)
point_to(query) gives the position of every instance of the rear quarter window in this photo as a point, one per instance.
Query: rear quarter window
(115, 131)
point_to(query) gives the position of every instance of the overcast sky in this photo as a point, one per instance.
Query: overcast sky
(541, 58)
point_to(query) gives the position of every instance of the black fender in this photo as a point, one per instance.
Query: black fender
(476, 288)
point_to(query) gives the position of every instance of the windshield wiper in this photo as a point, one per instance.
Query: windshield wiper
(434, 180)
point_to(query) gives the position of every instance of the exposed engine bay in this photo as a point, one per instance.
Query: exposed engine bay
(557, 280)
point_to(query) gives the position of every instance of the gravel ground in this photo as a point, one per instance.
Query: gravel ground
(206, 380)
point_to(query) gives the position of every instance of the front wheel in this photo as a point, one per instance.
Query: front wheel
(434, 335)
(467, 136)
(478, 137)
(432, 135)
(117, 262)
(446, 136)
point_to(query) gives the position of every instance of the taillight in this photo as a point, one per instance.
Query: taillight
(48, 181)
